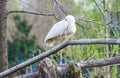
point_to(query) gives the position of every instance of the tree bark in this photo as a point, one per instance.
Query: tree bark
(64, 68)
(3, 36)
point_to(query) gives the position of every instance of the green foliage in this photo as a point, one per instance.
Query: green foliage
(95, 28)
(22, 25)
(23, 44)
(113, 72)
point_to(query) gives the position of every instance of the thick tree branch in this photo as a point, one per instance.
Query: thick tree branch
(85, 64)
(94, 41)
(102, 62)
(59, 47)
(34, 59)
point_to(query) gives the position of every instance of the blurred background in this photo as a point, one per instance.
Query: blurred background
(94, 19)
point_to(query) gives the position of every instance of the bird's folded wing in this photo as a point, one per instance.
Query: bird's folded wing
(59, 29)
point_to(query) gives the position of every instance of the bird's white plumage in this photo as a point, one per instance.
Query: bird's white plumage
(61, 30)
(57, 30)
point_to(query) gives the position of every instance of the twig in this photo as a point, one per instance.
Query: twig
(60, 5)
(52, 14)
(28, 4)
(35, 13)
(38, 10)
(86, 20)
(102, 62)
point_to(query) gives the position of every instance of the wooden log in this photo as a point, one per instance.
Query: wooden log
(64, 68)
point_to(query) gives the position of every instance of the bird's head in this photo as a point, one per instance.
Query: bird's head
(70, 18)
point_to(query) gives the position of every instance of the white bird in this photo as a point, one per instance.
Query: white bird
(62, 30)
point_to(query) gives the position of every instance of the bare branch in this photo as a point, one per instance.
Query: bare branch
(34, 59)
(59, 47)
(87, 20)
(52, 14)
(26, 3)
(85, 64)
(102, 62)
(35, 13)
(60, 7)
(94, 41)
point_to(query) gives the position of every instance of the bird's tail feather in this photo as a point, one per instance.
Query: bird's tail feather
(50, 43)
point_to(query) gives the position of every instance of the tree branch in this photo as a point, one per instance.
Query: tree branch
(89, 21)
(102, 62)
(59, 47)
(35, 13)
(52, 14)
(85, 64)
(94, 41)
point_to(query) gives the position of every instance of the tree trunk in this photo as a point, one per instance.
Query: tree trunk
(3, 36)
